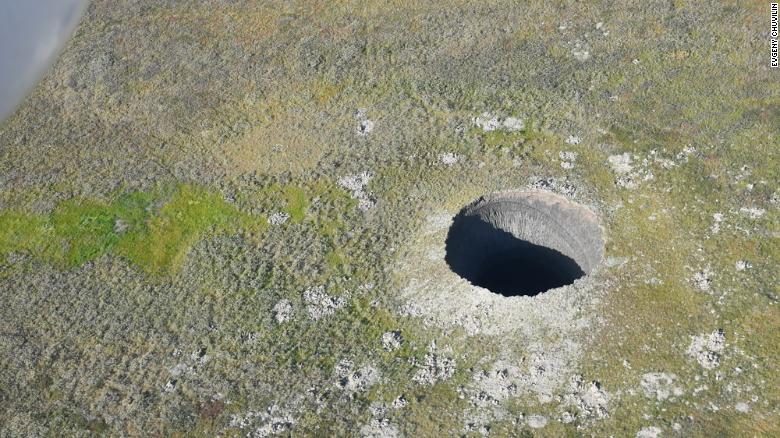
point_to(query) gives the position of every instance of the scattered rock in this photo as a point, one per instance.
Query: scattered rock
(629, 176)
(434, 368)
(660, 386)
(537, 421)
(449, 158)
(278, 218)
(775, 198)
(707, 348)
(400, 402)
(567, 159)
(496, 385)
(649, 432)
(752, 213)
(621, 164)
(580, 51)
(355, 381)
(120, 226)
(170, 385)
(567, 155)
(703, 279)
(513, 124)
(283, 311)
(554, 185)
(589, 398)
(365, 126)
(717, 218)
(488, 122)
(379, 429)
(742, 407)
(272, 421)
(319, 304)
(391, 340)
(356, 184)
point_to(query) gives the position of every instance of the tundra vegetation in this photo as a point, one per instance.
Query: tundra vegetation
(229, 219)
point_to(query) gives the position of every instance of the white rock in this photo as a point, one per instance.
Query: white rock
(703, 279)
(434, 368)
(365, 127)
(753, 213)
(278, 218)
(649, 432)
(487, 122)
(355, 381)
(707, 348)
(660, 386)
(567, 155)
(717, 219)
(449, 158)
(356, 184)
(513, 124)
(283, 311)
(537, 421)
(581, 55)
(379, 429)
(319, 304)
(621, 164)
(391, 340)
(400, 402)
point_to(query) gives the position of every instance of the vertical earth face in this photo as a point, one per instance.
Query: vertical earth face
(523, 243)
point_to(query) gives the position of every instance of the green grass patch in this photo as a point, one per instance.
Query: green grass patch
(160, 247)
(20, 231)
(156, 236)
(87, 229)
(297, 203)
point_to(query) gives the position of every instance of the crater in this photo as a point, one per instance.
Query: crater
(523, 243)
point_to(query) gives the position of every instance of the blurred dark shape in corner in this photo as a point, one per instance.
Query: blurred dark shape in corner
(32, 33)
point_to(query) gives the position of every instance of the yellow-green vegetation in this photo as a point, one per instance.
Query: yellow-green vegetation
(155, 312)
(500, 138)
(161, 245)
(19, 231)
(297, 203)
(153, 230)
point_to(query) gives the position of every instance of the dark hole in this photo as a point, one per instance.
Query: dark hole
(500, 262)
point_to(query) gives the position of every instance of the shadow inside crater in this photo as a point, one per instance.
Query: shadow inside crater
(495, 259)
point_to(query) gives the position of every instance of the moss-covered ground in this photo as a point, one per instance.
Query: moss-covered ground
(205, 209)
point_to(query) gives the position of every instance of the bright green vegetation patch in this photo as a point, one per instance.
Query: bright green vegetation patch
(161, 245)
(86, 230)
(296, 199)
(19, 231)
(152, 230)
(297, 203)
